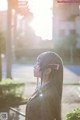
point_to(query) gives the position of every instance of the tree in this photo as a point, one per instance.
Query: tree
(66, 42)
(9, 41)
(12, 4)
(26, 35)
(1, 49)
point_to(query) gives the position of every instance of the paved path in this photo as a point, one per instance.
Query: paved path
(25, 73)
(74, 69)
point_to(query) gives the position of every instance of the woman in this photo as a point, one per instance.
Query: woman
(45, 103)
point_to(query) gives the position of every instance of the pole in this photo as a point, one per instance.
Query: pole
(71, 55)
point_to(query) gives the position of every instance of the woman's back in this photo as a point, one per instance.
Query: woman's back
(44, 105)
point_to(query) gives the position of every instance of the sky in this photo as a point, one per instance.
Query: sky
(42, 22)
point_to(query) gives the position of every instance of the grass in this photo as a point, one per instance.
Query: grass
(77, 84)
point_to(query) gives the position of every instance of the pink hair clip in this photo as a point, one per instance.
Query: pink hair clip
(55, 66)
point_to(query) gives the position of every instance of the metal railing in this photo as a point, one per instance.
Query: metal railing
(18, 112)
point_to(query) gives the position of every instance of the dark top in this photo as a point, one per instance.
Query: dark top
(44, 105)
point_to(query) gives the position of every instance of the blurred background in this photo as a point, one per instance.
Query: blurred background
(30, 27)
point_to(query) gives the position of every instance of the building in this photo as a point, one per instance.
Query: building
(66, 20)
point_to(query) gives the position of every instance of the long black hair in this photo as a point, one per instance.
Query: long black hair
(53, 60)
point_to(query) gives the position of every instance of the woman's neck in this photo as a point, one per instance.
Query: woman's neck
(45, 79)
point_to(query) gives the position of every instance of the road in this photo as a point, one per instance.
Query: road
(25, 73)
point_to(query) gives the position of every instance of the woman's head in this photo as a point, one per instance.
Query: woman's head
(47, 60)
(49, 64)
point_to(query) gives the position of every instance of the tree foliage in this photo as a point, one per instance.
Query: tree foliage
(73, 115)
(66, 42)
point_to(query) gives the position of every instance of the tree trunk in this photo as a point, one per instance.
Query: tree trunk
(9, 42)
(0, 67)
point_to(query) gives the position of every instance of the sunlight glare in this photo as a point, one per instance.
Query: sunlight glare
(42, 22)
(3, 5)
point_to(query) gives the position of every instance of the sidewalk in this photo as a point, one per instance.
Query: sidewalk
(70, 99)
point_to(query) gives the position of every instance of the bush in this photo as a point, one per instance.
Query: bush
(11, 91)
(74, 115)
